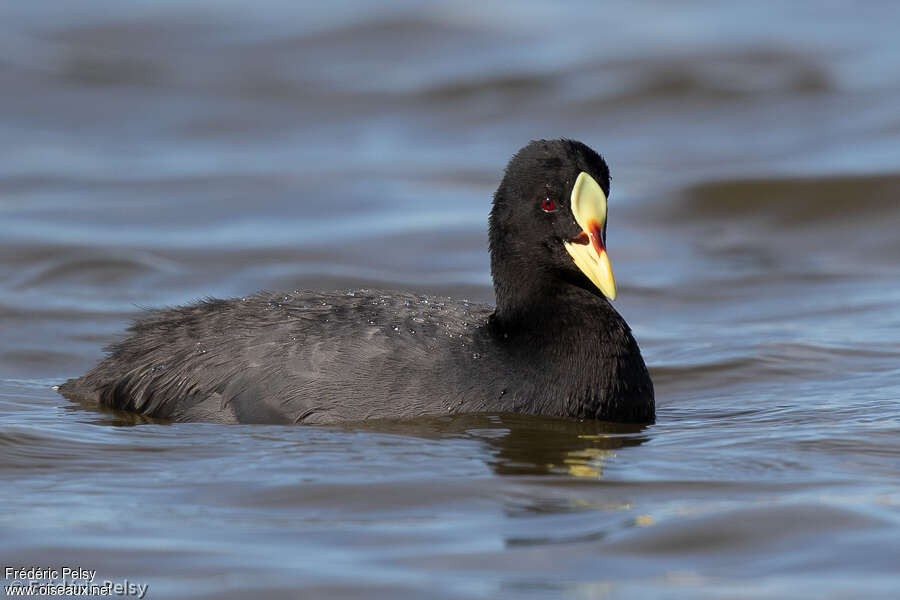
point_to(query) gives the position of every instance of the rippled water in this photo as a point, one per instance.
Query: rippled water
(159, 153)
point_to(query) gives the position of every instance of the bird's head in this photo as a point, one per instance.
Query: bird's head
(548, 220)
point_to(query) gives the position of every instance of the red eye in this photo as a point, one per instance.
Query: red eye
(548, 205)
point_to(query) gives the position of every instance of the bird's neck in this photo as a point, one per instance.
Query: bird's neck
(578, 355)
(552, 307)
(516, 296)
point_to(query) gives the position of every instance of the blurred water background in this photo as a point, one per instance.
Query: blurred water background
(155, 153)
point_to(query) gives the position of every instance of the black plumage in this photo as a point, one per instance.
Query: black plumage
(553, 345)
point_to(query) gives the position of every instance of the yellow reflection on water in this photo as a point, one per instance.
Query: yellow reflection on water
(643, 520)
(586, 462)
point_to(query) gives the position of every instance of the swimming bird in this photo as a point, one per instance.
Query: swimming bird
(552, 345)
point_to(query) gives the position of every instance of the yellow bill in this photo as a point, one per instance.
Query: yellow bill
(587, 250)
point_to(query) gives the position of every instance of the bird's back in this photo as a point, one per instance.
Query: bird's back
(304, 357)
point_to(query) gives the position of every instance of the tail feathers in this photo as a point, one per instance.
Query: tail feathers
(78, 389)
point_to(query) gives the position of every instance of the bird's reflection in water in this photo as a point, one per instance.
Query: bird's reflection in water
(526, 444)
(516, 444)
(534, 446)
(94, 413)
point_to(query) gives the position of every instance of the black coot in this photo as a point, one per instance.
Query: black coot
(552, 346)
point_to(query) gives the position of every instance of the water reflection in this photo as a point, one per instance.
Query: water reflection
(525, 444)
(516, 444)
(534, 446)
(94, 413)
